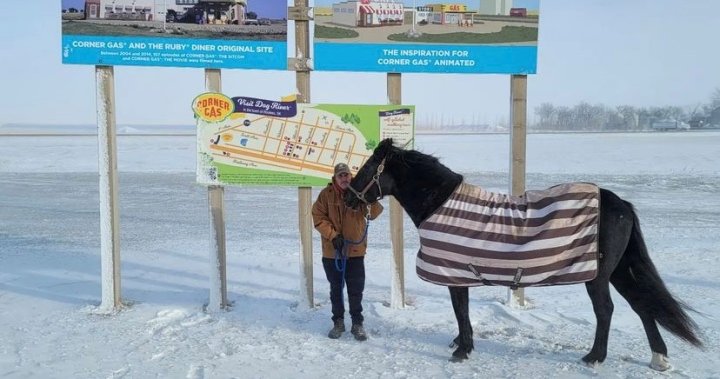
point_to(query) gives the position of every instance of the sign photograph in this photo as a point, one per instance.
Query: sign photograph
(176, 33)
(481, 36)
(244, 140)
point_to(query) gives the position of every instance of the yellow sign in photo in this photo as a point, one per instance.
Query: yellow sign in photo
(213, 107)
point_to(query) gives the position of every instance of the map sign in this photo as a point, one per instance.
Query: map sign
(250, 141)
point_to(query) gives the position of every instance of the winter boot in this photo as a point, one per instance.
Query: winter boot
(337, 329)
(358, 331)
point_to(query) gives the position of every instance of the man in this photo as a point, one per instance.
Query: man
(342, 230)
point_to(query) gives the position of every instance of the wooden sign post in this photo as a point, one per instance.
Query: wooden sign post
(397, 286)
(518, 136)
(216, 198)
(109, 209)
(300, 13)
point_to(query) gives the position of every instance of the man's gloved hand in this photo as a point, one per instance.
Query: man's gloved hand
(338, 242)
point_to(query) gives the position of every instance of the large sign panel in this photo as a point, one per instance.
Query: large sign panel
(478, 36)
(178, 33)
(244, 140)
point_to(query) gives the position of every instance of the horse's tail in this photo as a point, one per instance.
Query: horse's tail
(668, 311)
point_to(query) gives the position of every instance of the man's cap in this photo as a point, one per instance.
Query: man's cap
(340, 168)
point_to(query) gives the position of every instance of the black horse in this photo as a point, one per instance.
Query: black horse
(421, 184)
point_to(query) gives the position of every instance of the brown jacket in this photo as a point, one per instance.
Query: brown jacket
(332, 217)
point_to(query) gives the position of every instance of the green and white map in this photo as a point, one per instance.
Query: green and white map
(301, 150)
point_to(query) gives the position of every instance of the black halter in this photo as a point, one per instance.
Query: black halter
(375, 179)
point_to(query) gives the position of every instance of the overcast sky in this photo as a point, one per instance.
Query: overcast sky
(614, 52)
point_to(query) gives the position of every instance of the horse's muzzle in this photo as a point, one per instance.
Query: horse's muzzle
(351, 200)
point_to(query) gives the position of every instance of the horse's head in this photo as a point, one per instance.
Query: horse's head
(373, 181)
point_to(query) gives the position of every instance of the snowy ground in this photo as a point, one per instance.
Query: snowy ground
(50, 269)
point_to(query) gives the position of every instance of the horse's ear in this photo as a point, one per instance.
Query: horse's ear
(385, 146)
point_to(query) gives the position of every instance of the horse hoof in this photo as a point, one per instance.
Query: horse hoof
(459, 356)
(455, 359)
(591, 361)
(591, 364)
(660, 362)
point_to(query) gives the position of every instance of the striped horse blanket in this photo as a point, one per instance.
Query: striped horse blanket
(541, 238)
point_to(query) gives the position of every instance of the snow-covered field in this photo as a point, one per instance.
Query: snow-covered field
(50, 269)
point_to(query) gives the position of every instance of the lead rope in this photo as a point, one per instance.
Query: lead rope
(341, 256)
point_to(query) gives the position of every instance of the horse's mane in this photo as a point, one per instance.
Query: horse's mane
(427, 164)
(423, 183)
(416, 158)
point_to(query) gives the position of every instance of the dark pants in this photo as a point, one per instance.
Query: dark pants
(355, 283)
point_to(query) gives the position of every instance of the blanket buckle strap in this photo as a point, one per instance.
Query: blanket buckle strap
(479, 275)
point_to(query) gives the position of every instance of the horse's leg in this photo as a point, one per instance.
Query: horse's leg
(625, 284)
(460, 301)
(599, 291)
(637, 280)
(615, 230)
(456, 308)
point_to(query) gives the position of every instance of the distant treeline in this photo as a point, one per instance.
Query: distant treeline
(587, 117)
(584, 116)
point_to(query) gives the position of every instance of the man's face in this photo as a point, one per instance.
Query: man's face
(343, 180)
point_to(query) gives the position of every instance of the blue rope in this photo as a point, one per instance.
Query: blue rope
(341, 258)
(362, 238)
(340, 265)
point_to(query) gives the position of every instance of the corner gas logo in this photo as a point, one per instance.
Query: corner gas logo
(213, 107)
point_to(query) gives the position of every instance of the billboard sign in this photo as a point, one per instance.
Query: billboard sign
(251, 141)
(175, 33)
(489, 36)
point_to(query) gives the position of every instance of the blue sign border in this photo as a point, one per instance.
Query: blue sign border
(174, 52)
(427, 58)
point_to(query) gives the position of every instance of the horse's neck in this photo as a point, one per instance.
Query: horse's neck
(421, 194)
